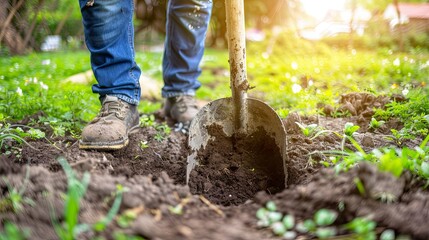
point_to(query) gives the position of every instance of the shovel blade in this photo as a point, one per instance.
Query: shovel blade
(261, 117)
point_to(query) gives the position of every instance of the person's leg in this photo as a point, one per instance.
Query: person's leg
(186, 28)
(109, 36)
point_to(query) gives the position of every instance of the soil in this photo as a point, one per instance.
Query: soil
(224, 192)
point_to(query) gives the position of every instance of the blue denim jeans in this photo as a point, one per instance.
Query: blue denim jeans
(109, 36)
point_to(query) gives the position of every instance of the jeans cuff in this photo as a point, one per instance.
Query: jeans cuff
(126, 99)
(176, 94)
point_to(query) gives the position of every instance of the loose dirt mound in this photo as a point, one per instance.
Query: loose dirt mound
(154, 178)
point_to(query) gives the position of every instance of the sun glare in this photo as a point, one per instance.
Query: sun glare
(319, 8)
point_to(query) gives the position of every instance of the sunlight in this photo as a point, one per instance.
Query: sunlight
(319, 8)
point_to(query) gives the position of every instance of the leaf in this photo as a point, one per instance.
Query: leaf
(289, 235)
(350, 128)
(309, 225)
(325, 217)
(323, 233)
(262, 214)
(387, 234)
(391, 162)
(101, 225)
(425, 169)
(288, 221)
(278, 228)
(177, 210)
(274, 217)
(359, 186)
(271, 206)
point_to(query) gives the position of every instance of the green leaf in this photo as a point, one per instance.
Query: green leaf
(361, 225)
(425, 169)
(391, 162)
(325, 217)
(36, 133)
(274, 217)
(278, 228)
(309, 225)
(271, 206)
(177, 210)
(359, 186)
(387, 234)
(262, 214)
(324, 233)
(350, 128)
(289, 235)
(101, 225)
(288, 221)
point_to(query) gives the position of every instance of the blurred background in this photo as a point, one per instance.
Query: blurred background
(47, 25)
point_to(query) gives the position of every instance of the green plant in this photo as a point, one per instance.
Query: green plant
(399, 137)
(319, 225)
(413, 113)
(387, 234)
(374, 123)
(15, 199)
(143, 145)
(163, 130)
(122, 236)
(147, 120)
(102, 224)
(12, 232)
(177, 210)
(350, 129)
(76, 189)
(124, 220)
(360, 186)
(363, 228)
(312, 130)
(7, 131)
(388, 159)
(285, 225)
(59, 126)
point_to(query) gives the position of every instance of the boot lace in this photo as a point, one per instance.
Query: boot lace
(116, 108)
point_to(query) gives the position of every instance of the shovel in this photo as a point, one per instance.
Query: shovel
(240, 117)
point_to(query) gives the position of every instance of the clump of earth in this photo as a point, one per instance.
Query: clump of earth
(223, 195)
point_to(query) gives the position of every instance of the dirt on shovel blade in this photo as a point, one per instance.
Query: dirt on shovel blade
(232, 169)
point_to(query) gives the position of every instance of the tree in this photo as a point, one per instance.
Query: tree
(9, 34)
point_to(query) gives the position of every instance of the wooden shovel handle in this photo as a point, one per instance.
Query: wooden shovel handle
(237, 60)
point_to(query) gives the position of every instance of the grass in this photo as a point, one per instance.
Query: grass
(295, 77)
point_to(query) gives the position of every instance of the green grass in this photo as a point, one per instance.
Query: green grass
(295, 76)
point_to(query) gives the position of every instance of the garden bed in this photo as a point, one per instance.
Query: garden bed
(155, 203)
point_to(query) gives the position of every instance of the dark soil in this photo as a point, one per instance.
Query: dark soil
(224, 193)
(233, 169)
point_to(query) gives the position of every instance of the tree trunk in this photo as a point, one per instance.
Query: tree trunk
(63, 21)
(30, 30)
(9, 35)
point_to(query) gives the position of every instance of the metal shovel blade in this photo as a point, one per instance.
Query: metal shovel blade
(261, 118)
(251, 125)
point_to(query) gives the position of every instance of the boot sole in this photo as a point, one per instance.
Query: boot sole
(106, 146)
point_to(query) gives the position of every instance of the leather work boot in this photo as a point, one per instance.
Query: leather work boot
(181, 109)
(110, 129)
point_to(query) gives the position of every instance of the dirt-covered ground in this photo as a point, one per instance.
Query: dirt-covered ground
(222, 198)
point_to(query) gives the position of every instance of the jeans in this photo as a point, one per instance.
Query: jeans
(109, 36)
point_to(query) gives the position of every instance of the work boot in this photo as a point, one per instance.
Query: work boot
(181, 109)
(110, 129)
